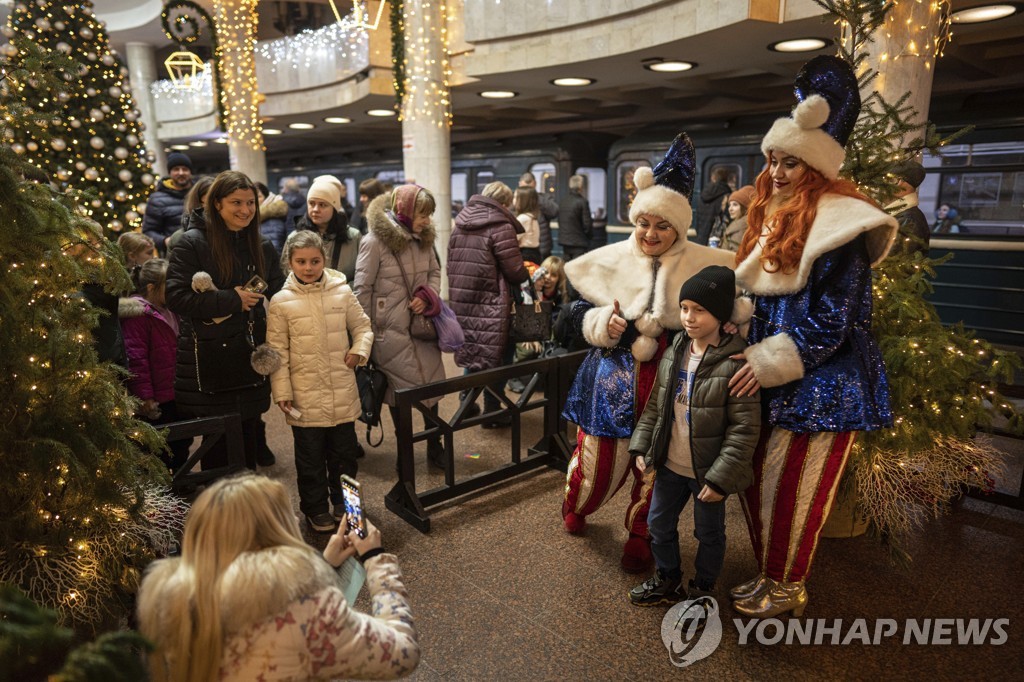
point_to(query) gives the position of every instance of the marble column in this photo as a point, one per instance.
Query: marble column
(235, 22)
(142, 73)
(426, 136)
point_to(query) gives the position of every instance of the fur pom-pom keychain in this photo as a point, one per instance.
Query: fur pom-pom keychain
(265, 360)
(201, 281)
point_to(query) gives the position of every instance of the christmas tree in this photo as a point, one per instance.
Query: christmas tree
(93, 140)
(82, 501)
(942, 379)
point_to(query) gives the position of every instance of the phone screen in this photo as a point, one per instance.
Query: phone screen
(256, 285)
(350, 489)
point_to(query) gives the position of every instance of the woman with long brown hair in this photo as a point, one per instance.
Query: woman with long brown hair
(222, 320)
(807, 253)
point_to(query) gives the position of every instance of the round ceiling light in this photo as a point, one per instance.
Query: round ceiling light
(498, 94)
(382, 113)
(301, 126)
(798, 45)
(224, 140)
(180, 147)
(271, 131)
(337, 119)
(572, 82)
(197, 143)
(979, 15)
(668, 66)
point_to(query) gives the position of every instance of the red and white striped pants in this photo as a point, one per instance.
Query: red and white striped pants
(795, 480)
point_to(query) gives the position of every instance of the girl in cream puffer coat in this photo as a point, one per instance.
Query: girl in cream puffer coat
(309, 324)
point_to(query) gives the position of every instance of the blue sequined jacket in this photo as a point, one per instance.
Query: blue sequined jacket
(811, 345)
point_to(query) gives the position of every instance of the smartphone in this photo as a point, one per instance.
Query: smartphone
(352, 493)
(256, 285)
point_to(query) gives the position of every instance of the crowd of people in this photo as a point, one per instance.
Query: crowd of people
(746, 370)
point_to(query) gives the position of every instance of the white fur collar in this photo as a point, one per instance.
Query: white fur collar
(840, 219)
(622, 272)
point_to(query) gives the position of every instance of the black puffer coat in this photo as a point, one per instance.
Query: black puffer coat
(197, 310)
(575, 226)
(484, 263)
(163, 212)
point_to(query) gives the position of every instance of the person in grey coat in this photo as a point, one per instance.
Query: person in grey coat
(575, 226)
(395, 258)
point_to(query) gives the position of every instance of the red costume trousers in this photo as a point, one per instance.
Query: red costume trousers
(795, 480)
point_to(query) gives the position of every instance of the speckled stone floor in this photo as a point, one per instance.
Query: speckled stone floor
(501, 592)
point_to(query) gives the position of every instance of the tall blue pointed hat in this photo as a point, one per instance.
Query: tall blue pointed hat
(821, 123)
(665, 191)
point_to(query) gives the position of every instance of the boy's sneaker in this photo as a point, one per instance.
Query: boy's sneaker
(658, 590)
(693, 591)
(322, 522)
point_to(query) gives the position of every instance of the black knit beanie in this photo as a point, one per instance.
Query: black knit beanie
(714, 288)
(175, 159)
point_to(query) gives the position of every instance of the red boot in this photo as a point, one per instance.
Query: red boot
(636, 554)
(574, 523)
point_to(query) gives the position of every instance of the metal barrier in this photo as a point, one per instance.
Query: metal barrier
(228, 427)
(552, 450)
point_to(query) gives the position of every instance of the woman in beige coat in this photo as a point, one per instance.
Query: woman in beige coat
(309, 324)
(396, 258)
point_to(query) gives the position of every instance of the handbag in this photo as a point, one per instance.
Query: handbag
(420, 327)
(531, 321)
(224, 363)
(372, 384)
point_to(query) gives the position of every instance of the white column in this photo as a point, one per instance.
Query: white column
(426, 137)
(235, 22)
(142, 72)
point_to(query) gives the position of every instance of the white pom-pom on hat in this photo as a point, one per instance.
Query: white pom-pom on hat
(812, 112)
(643, 178)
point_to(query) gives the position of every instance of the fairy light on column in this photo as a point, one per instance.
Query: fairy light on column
(236, 22)
(425, 82)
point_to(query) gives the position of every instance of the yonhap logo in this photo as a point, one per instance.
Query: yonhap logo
(692, 630)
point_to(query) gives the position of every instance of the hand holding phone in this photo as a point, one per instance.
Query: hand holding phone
(256, 285)
(352, 494)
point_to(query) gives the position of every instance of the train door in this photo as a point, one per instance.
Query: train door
(594, 191)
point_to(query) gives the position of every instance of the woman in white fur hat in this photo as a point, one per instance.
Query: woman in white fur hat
(807, 253)
(629, 312)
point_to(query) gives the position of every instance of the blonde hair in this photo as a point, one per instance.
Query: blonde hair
(132, 243)
(556, 266)
(498, 191)
(152, 273)
(240, 514)
(300, 239)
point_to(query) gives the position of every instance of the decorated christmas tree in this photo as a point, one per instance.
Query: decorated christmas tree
(82, 501)
(943, 380)
(93, 139)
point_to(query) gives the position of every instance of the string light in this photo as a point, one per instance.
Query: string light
(236, 23)
(426, 85)
(342, 47)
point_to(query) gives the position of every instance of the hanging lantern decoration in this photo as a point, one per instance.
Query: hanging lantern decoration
(361, 12)
(186, 69)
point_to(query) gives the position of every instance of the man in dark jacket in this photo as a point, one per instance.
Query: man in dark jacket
(914, 231)
(548, 210)
(167, 202)
(575, 226)
(710, 204)
(296, 200)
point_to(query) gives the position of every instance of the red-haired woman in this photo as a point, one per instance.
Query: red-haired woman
(807, 253)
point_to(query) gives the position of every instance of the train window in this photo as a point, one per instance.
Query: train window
(350, 187)
(546, 177)
(460, 182)
(625, 188)
(392, 177)
(989, 203)
(733, 174)
(483, 178)
(594, 187)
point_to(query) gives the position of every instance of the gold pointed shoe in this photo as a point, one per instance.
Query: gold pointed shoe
(754, 586)
(775, 601)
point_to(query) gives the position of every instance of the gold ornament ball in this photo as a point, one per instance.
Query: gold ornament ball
(96, 115)
(124, 175)
(58, 144)
(121, 153)
(18, 148)
(121, 195)
(96, 203)
(116, 225)
(97, 142)
(32, 146)
(80, 165)
(147, 179)
(91, 174)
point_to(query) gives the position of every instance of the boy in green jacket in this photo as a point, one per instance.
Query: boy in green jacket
(699, 439)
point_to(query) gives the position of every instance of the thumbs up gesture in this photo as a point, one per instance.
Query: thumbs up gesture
(617, 324)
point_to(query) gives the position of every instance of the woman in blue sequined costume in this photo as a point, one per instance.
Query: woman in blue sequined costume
(806, 256)
(628, 314)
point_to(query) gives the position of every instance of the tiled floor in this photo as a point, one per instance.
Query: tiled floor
(501, 592)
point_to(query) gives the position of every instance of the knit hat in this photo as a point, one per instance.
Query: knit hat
(326, 188)
(911, 172)
(665, 191)
(743, 196)
(175, 159)
(403, 203)
(714, 288)
(827, 90)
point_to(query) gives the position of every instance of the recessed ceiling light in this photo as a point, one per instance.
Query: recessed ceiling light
(224, 140)
(337, 119)
(498, 94)
(798, 45)
(978, 15)
(301, 126)
(271, 131)
(180, 147)
(668, 66)
(572, 82)
(381, 112)
(197, 143)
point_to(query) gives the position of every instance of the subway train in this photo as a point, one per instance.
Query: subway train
(980, 176)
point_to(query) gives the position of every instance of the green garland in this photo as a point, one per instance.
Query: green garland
(398, 51)
(185, 30)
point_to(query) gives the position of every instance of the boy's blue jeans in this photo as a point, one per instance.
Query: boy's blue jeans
(671, 492)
